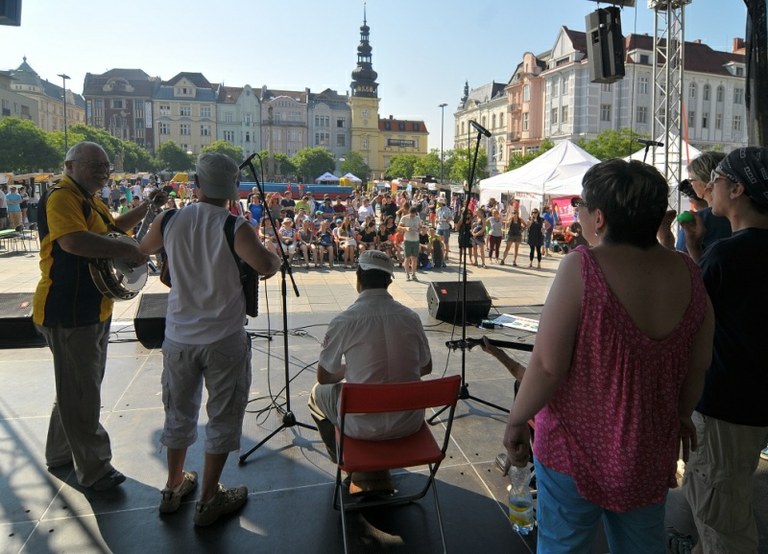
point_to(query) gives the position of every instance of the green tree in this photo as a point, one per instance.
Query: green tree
(313, 162)
(136, 158)
(26, 148)
(226, 148)
(519, 160)
(170, 157)
(354, 163)
(429, 164)
(402, 166)
(284, 166)
(612, 144)
(461, 163)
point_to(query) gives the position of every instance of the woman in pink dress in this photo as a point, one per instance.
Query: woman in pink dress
(624, 339)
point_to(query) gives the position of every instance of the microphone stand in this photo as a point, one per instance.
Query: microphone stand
(289, 418)
(464, 389)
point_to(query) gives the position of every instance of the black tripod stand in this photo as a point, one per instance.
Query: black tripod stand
(464, 390)
(289, 418)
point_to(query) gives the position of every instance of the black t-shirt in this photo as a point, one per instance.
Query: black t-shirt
(735, 272)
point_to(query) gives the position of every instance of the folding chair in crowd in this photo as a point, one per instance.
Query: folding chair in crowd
(420, 448)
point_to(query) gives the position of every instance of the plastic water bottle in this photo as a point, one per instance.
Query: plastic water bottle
(520, 499)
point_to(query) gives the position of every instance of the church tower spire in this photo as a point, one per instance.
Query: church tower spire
(364, 77)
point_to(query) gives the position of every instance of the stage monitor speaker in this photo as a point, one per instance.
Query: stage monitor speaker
(444, 299)
(16, 327)
(149, 323)
(605, 45)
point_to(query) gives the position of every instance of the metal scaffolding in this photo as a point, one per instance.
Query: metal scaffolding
(667, 107)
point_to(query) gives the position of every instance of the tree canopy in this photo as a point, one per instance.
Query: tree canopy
(26, 147)
(226, 148)
(612, 144)
(170, 157)
(461, 160)
(355, 163)
(313, 162)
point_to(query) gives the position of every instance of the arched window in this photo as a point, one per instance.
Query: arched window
(692, 90)
(720, 93)
(706, 92)
(501, 119)
(493, 121)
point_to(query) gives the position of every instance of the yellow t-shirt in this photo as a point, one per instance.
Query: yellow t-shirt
(66, 294)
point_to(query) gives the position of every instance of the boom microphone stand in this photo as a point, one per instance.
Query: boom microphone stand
(289, 418)
(464, 390)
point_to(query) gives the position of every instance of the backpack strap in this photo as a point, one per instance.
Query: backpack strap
(166, 218)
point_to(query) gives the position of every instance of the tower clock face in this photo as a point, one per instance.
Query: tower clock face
(365, 113)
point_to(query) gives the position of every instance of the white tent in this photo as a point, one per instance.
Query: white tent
(352, 177)
(687, 155)
(556, 172)
(327, 177)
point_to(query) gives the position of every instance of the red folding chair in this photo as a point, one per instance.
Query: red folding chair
(417, 449)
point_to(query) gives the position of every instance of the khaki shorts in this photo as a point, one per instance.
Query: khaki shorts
(225, 368)
(718, 484)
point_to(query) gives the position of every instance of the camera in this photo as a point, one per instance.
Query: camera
(686, 189)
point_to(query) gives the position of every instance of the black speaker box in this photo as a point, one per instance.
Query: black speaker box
(149, 323)
(445, 301)
(605, 45)
(16, 327)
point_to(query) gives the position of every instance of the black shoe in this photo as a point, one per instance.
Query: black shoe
(109, 481)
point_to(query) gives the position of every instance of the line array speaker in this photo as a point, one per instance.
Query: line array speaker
(605, 45)
(444, 299)
(149, 322)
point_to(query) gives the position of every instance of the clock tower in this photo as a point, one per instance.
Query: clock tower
(364, 105)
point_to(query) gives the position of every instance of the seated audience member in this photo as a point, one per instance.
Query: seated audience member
(305, 239)
(368, 237)
(288, 236)
(324, 244)
(345, 357)
(269, 237)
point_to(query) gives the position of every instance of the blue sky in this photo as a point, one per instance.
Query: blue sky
(423, 50)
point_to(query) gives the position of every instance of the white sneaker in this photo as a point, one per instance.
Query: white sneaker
(171, 498)
(224, 502)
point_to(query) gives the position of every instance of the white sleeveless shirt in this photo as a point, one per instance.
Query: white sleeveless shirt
(206, 302)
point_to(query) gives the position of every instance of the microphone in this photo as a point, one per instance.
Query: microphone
(248, 160)
(479, 128)
(649, 142)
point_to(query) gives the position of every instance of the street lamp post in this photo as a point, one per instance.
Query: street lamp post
(442, 124)
(64, 78)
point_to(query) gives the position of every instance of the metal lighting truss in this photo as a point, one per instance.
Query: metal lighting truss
(667, 107)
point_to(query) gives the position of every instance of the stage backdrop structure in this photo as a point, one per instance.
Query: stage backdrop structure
(556, 172)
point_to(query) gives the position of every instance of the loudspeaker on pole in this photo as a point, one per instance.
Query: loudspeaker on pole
(605, 45)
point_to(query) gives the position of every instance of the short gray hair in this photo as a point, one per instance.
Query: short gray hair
(77, 150)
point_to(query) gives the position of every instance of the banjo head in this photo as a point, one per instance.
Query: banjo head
(115, 277)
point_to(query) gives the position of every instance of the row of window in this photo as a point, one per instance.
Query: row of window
(325, 121)
(185, 129)
(324, 139)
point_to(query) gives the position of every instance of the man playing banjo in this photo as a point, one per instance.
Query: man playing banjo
(74, 316)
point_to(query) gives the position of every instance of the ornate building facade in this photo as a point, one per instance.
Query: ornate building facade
(49, 98)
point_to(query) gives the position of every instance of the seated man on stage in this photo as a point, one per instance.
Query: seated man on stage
(399, 353)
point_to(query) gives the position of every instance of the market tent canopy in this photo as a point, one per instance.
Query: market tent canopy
(327, 177)
(352, 177)
(556, 172)
(656, 156)
(180, 177)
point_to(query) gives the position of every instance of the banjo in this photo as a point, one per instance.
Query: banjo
(115, 277)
